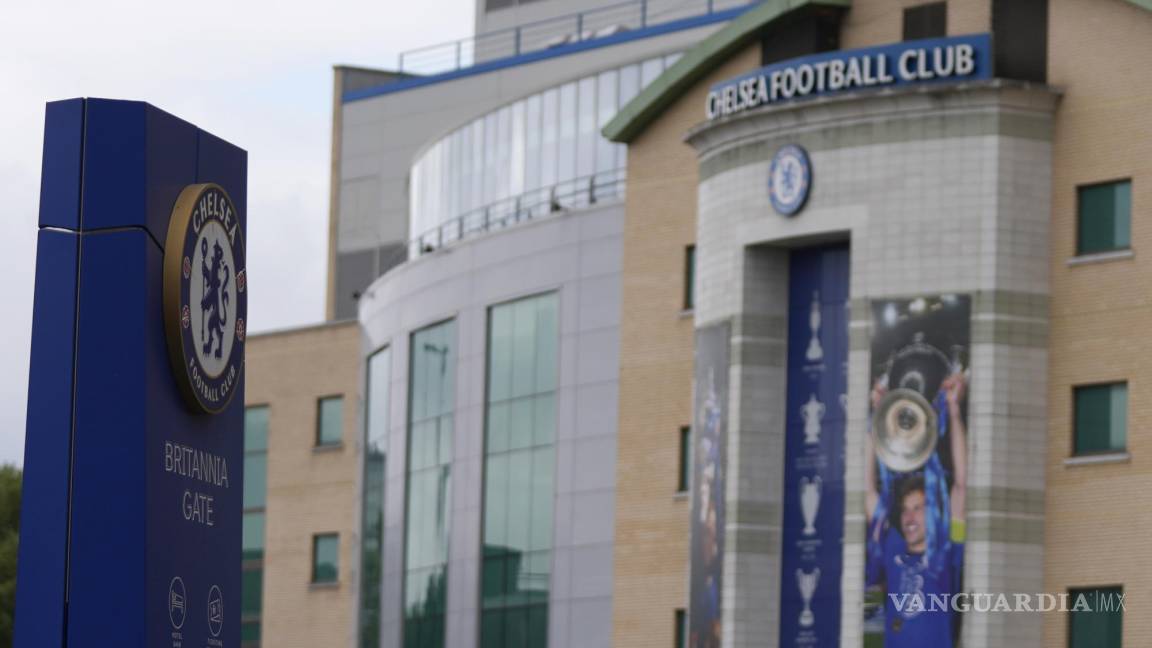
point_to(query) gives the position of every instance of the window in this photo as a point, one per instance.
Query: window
(681, 629)
(431, 402)
(519, 463)
(325, 558)
(685, 460)
(690, 277)
(376, 415)
(1100, 624)
(329, 421)
(926, 21)
(252, 526)
(1104, 217)
(1101, 418)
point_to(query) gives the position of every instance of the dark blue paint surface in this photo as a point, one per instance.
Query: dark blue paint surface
(104, 529)
(819, 275)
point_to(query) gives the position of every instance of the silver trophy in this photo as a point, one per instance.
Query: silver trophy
(815, 351)
(809, 503)
(807, 585)
(812, 412)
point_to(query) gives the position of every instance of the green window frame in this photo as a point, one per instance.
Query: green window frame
(255, 494)
(329, 421)
(519, 472)
(1101, 624)
(690, 277)
(1100, 418)
(325, 558)
(928, 20)
(685, 456)
(1104, 217)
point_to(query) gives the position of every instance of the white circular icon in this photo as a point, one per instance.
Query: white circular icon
(177, 602)
(789, 178)
(215, 611)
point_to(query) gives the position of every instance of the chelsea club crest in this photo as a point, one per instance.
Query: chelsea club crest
(789, 180)
(205, 296)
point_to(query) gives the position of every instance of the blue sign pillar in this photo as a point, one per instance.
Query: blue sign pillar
(131, 516)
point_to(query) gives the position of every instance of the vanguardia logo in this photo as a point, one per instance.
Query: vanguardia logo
(1019, 602)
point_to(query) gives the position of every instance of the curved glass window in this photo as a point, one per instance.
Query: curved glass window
(431, 403)
(526, 153)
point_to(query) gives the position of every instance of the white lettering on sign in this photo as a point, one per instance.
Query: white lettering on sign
(198, 465)
(950, 58)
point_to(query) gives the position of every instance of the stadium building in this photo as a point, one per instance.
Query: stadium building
(740, 326)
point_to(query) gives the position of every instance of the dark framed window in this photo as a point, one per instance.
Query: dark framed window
(1100, 418)
(690, 277)
(1096, 617)
(926, 21)
(325, 557)
(329, 421)
(685, 473)
(681, 629)
(1104, 217)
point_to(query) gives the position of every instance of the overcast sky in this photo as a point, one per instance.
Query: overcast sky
(255, 72)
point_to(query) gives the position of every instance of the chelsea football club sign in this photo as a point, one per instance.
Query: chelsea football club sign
(205, 296)
(789, 179)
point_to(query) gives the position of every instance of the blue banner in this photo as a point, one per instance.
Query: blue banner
(935, 60)
(813, 518)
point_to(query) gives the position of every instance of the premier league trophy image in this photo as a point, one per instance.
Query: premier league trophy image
(916, 467)
(807, 584)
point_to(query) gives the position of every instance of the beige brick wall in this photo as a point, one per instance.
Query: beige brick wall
(309, 491)
(1096, 532)
(651, 567)
(878, 22)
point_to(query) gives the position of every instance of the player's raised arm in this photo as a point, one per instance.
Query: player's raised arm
(954, 388)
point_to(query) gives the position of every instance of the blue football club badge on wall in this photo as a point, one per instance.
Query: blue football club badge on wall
(205, 296)
(789, 179)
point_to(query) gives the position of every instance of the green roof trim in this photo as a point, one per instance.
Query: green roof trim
(1143, 4)
(700, 60)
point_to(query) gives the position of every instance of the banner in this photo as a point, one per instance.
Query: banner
(916, 470)
(813, 520)
(710, 407)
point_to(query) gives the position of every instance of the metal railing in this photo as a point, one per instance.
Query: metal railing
(555, 32)
(579, 193)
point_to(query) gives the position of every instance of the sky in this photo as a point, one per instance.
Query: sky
(257, 73)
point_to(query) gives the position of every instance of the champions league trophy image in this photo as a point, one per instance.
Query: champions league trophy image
(815, 352)
(807, 585)
(809, 503)
(812, 412)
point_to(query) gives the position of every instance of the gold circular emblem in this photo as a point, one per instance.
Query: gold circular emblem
(205, 296)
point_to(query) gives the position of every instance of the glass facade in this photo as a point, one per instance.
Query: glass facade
(377, 411)
(516, 154)
(519, 463)
(1101, 418)
(329, 421)
(431, 393)
(252, 542)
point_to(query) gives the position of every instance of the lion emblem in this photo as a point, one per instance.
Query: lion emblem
(214, 304)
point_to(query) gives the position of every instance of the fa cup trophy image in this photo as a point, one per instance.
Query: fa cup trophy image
(809, 503)
(807, 585)
(812, 412)
(815, 351)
